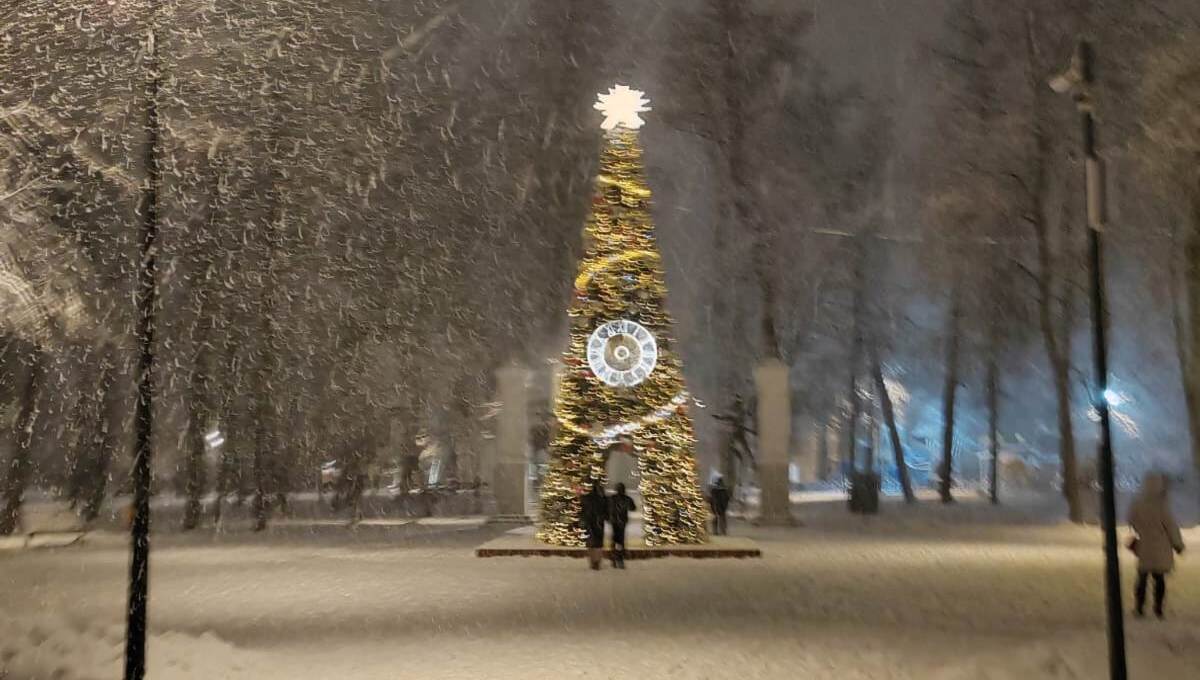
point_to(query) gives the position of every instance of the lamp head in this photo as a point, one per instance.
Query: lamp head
(1064, 82)
(1077, 73)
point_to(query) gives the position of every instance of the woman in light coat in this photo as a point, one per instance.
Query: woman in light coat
(1158, 540)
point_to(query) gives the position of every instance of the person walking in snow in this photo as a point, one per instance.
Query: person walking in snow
(619, 507)
(718, 501)
(593, 511)
(1158, 540)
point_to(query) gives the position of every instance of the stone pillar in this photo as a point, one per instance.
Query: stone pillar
(512, 445)
(774, 439)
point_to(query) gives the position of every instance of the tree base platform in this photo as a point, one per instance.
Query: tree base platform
(525, 545)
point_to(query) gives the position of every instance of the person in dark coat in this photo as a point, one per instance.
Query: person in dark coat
(593, 512)
(1158, 541)
(619, 507)
(718, 501)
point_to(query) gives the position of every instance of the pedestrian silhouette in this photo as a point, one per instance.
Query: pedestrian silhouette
(1158, 540)
(718, 501)
(593, 512)
(619, 507)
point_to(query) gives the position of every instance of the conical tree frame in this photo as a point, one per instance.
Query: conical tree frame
(621, 278)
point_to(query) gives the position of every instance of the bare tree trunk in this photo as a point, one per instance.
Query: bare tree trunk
(1058, 344)
(1186, 317)
(1066, 430)
(407, 455)
(856, 350)
(197, 424)
(997, 339)
(223, 474)
(85, 419)
(264, 415)
(265, 435)
(262, 452)
(872, 422)
(462, 428)
(823, 453)
(1193, 373)
(356, 475)
(734, 148)
(1191, 394)
(851, 429)
(199, 399)
(889, 417)
(993, 407)
(112, 419)
(229, 465)
(283, 478)
(450, 454)
(21, 466)
(230, 376)
(949, 396)
(1060, 365)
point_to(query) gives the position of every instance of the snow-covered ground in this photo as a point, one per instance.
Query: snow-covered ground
(941, 593)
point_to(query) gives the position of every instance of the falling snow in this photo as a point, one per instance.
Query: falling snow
(365, 209)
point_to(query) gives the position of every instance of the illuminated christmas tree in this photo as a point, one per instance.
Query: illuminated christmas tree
(623, 381)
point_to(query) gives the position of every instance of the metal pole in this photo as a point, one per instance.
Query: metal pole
(1095, 199)
(139, 565)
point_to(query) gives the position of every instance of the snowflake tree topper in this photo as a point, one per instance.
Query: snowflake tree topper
(621, 107)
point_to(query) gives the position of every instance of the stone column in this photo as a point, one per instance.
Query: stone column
(512, 445)
(774, 439)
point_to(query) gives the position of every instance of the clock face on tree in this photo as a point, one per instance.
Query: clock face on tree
(622, 353)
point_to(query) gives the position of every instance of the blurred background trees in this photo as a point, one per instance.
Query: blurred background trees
(368, 207)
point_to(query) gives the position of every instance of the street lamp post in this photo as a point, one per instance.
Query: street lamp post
(1079, 80)
(139, 563)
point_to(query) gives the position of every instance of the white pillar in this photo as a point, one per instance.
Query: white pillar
(512, 445)
(774, 440)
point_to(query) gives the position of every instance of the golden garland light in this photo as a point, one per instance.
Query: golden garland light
(621, 277)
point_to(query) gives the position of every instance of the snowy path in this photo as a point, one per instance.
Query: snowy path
(896, 597)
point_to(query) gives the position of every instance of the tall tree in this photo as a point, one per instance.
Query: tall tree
(950, 382)
(889, 418)
(1168, 147)
(996, 65)
(992, 391)
(20, 466)
(732, 71)
(854, 365)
